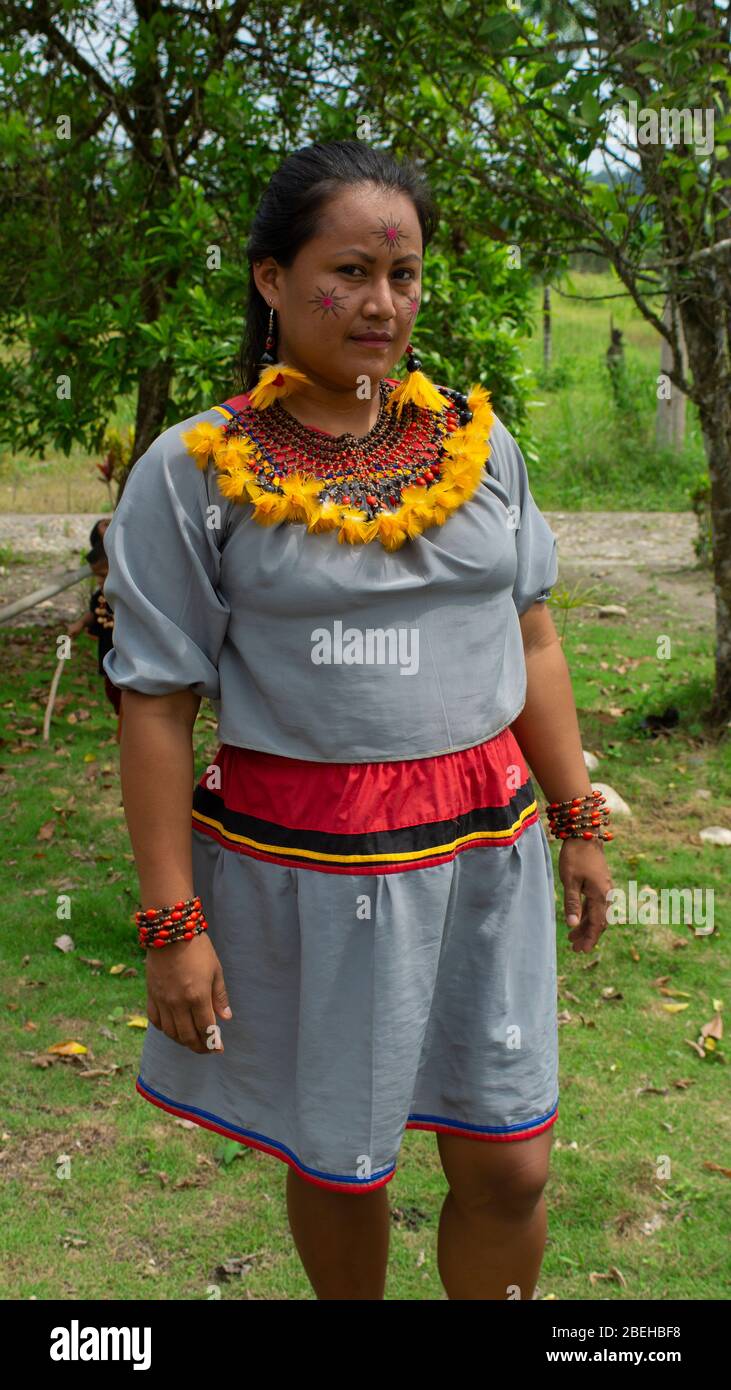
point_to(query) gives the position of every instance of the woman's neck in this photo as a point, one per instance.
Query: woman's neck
(334, 411)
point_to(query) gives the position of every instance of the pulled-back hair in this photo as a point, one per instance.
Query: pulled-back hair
(289, 211)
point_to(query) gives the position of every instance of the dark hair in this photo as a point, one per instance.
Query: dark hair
(96, 553)
(288, 213)
(94, 536)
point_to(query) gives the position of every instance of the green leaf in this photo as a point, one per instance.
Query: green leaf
(499, 31)
(590, 109)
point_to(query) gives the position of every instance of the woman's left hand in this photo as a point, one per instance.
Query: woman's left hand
(583, 869)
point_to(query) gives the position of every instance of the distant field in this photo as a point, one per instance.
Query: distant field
(594, 455)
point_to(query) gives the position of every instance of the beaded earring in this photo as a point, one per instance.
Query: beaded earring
(276, 379)
(266, 359)
(416, 387)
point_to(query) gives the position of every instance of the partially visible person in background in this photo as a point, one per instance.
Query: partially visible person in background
(98, 621)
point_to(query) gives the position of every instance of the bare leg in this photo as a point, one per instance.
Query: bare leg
(342, 1238)
(493, 1224)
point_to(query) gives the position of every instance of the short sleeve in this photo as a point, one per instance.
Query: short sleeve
(170, 620)
(536, 544)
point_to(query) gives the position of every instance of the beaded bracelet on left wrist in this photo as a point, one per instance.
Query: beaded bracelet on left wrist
(579, 818)
(162, 926)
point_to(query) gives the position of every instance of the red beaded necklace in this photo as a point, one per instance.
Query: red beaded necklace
(413, 468)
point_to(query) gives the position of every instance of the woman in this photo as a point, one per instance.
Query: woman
(354, 571)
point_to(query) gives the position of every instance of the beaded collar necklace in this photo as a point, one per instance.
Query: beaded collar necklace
(413, 468)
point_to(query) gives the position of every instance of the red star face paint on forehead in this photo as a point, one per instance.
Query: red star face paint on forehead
(389, 233)
(328, 301)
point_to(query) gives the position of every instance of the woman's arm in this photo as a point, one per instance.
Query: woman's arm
(156, 767)
(547, 727)
(547, 730)
(185, 981)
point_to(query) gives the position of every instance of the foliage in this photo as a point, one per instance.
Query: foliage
(133, 168)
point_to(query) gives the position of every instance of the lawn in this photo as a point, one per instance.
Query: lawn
(97, 1199)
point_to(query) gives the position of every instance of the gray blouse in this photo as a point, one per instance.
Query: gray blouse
(321, 650)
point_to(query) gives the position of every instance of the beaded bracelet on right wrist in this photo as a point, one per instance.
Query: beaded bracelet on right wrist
(579, 818)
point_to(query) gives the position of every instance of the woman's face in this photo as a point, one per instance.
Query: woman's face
(361, 274)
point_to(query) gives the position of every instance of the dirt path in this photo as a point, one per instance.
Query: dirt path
(624, 556)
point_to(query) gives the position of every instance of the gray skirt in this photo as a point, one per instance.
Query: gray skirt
(387, 935)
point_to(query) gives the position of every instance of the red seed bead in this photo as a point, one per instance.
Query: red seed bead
(187, 936)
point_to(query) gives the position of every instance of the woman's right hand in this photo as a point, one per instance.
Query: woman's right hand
(185, 990)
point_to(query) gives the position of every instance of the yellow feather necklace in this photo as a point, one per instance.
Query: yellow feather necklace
(421, 461)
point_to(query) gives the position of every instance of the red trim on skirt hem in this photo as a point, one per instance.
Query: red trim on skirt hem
(332, 1185)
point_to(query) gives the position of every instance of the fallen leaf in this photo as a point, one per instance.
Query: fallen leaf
(675, 1008)
(717, 1168)
(64, 943)
(101, 1071)
(137, 1021)
(613, 1274)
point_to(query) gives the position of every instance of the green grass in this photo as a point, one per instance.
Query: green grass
(595, 455)
(152, 1209)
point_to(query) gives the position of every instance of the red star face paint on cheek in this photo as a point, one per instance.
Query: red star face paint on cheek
(413, 308)
(328, 302)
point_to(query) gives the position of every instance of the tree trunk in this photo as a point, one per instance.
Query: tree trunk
(708, 358)
(716, 422)
(153, 394)
(670, 414)
(547, 342)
